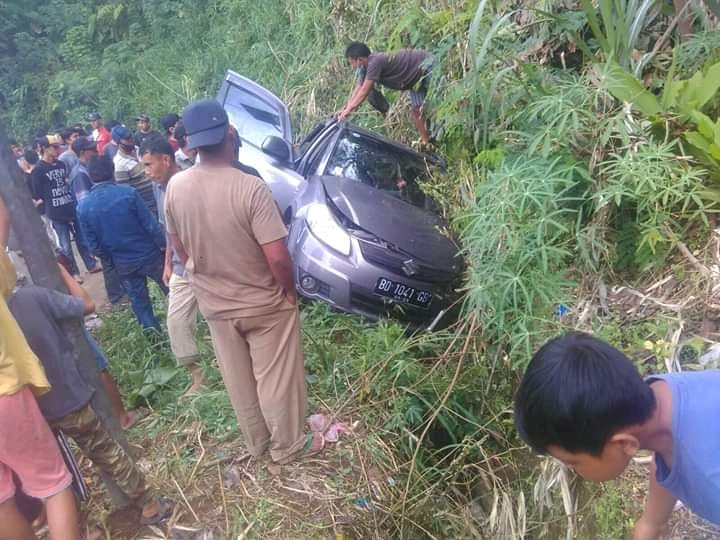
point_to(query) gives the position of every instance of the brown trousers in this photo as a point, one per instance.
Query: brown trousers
(261, 362)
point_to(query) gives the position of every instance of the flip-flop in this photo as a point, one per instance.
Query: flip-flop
(166, 508)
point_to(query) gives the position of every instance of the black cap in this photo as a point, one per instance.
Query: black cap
(94, 116)
(101, 168)
(83, 143)
(206, 123)
(143, 117)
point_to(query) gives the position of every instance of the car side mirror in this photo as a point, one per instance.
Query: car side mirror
(277, 148)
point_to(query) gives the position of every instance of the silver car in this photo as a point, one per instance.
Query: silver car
(363, 235)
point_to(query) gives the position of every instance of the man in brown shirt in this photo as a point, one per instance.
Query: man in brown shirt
(407, 69)
(226, 228)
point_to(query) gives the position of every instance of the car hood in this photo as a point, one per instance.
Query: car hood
(410, 229)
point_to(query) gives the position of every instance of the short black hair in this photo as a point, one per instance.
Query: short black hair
(357, 49)
(100, 168)
(157, 145)
(181, 134)
(13, 142)
(577, 392)
(169, 120)
(65, 134)
(31, 156)
(42, 142)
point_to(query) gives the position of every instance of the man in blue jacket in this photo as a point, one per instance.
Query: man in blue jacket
(119, 226)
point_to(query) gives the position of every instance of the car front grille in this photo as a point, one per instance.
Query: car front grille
(395, 261)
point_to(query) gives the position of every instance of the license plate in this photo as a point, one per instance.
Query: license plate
(402, 293)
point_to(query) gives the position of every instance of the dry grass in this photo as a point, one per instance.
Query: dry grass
(220, 491)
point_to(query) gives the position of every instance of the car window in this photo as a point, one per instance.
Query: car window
(254, 118)
(313, 158)
(377, 164)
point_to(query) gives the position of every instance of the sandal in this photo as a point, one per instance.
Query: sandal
(166, 507)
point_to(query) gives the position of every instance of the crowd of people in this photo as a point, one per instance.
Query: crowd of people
(143, 206)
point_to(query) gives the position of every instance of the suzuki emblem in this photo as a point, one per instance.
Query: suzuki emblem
(410, 267)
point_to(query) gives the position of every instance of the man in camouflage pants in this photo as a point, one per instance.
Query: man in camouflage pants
(39, 312)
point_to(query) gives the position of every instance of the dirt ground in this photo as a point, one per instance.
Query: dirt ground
(95, 286)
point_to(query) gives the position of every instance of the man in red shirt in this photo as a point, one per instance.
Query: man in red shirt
(100, 133)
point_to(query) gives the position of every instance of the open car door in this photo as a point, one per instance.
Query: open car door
(255, 112)
(258, 114)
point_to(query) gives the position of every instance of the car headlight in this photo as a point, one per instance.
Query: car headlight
(326, 228)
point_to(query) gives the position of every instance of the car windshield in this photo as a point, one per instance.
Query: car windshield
(254, 118)
(384, 167)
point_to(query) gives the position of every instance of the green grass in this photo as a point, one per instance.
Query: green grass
(615, 513)
(419, 424)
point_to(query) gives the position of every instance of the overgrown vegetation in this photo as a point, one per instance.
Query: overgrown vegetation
(583, 148)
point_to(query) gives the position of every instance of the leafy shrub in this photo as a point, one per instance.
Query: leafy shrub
(697, 51)
(662, 192)
(519, 237)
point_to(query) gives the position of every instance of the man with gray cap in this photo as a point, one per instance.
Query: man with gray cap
(226, 228)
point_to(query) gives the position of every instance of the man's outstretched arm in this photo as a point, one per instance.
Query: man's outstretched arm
(359, 95)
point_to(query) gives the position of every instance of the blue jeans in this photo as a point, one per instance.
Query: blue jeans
(113, 283)
(134, 279)
(64, 231)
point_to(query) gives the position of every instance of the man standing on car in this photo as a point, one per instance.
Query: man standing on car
(225, 227)
(406, 69)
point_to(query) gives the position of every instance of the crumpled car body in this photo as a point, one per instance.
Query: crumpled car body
(363, 235)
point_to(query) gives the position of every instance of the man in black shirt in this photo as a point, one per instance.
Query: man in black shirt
(49, 182)
(144, 130)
